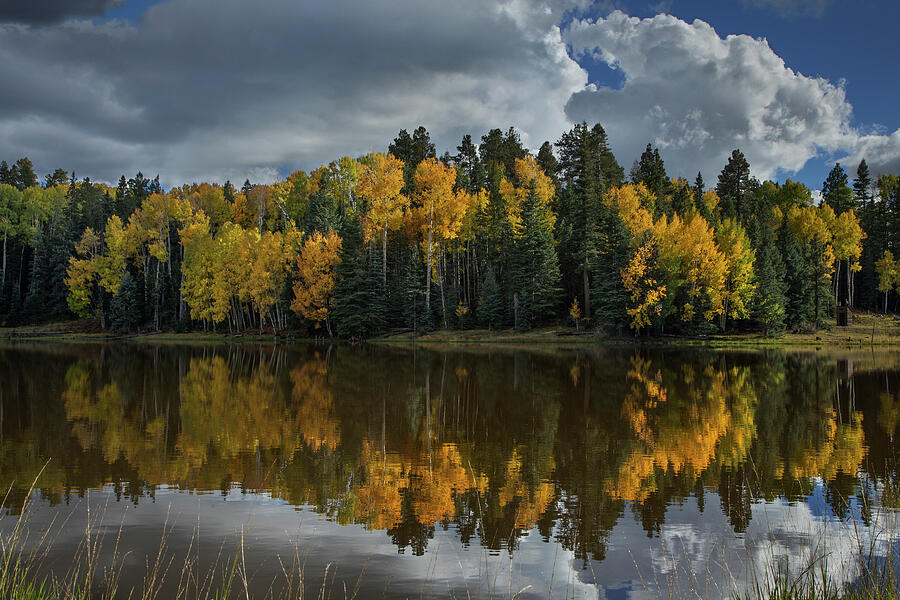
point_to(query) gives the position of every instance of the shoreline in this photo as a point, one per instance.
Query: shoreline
(868, 329)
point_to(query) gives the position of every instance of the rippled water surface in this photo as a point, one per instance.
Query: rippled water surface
(586, 472)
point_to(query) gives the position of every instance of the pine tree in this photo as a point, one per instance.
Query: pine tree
(769, 301)
(799, 308)
(548, 162)
(610, 298)
(534, 269)
(651, 171)
(352, 295)
(24, 174)
(862, 185)
(490, 303)
(835, 191)
(124, 307)
(587, 167)
(734, 188)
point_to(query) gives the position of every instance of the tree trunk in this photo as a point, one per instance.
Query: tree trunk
(3, 278)
(587, 290)
(443, 279)
(849, 285)
(384, 258)
(428, 272)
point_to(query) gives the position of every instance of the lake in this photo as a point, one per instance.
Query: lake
(480, 471)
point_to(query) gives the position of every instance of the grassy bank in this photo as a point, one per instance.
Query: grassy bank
(867, 329)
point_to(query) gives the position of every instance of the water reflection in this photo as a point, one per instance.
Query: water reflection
(491, 444)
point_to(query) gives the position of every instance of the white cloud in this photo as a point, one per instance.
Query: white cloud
(698, 96)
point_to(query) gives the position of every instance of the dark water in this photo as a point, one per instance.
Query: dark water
(607, 472)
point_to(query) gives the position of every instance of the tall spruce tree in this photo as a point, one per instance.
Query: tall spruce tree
(651, 171)
(608, 293)
(588, 167)
(490, 304)
(835, 191)
(534, 269)
(769, 302)
(734, 188)
(353, 293)
(799, 295)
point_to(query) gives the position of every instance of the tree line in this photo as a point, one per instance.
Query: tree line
(492, 236)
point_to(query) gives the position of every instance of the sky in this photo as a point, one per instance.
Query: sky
(209, 90)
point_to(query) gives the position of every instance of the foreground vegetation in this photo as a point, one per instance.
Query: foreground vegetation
(491, 237)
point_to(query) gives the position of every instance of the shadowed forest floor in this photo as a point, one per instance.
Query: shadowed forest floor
(866, 329)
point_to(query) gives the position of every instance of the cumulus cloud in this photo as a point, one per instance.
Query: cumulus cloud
(209, 89)
(49, 11)
(882, 154)
(212, 89)
(698, 96)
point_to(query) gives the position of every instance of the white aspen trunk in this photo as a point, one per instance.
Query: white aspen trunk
(3, 278)
(428, 272)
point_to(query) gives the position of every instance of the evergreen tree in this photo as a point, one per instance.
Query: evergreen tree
(124, 307)
(412, 149)
(610, 298)
(47, 291)
(835, 191)
(468, 161)
(6, 174)
(799, 308)
(587, 167)
(58, 177)
(490, 303)
(548, 163)
(228, 192)
(503, 150)
(534, 269)
(359, 298)
(862, 185)
(734, 188)
(651, 171)
(769, 301)
(409, 303)
(24, 174)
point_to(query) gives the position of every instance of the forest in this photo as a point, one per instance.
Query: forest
(490, 237)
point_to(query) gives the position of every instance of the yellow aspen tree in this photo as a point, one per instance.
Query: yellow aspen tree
(811, 226)
(739, 257)
(847, 235)
(380, 184)
(200, 267)
(645, 291)
(267, 274)
(81, 277)
(888, 274)
(690, 262)
(234, 254)
(531, 178)
(440, 209)
(316, 277)
(111, 266)
(631, 202)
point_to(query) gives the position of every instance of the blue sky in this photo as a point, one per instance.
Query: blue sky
(215, 89)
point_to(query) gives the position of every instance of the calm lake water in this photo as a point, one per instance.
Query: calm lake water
(605, 472)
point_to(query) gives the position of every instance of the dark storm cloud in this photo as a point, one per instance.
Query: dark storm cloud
(51, 11)
(206, 87)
